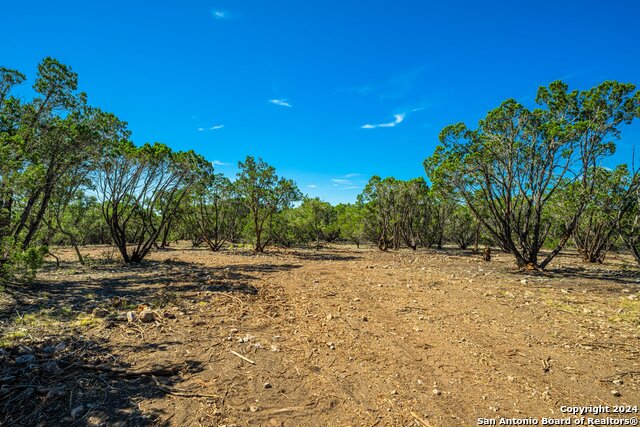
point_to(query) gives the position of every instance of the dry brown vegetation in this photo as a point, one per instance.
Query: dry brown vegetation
(305, 338)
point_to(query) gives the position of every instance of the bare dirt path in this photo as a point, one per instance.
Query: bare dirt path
(352, 337)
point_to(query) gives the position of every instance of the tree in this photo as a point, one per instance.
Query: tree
(378, 200)
(265, 194)
(462, 227)
(625, 209)
(350, 222)
(317, 218)
(43, 144)
(517, 158)
(412, 207)
(140, 189)
(213, 210)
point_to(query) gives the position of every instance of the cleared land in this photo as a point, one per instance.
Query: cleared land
(305, 338)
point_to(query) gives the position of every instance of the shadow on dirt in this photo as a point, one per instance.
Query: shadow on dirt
(323, 256)
(71, 381)
(86, 288)
(619, 277)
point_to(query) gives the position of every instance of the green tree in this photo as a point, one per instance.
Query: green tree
(265, 194)
(350, 222)
(317, 219)
(141, 189)
(213, 211)
(517, 158)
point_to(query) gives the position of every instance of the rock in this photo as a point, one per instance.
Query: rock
(25, 359)
(616, 393)
(56, 392)
(60, 347)
(329, 316)
(131, 316)
(365, 319)
(50, 367)
(267, 385)
(394, 392)
(436, 392)
(147, 316)
(75, 412)
(331, 345)
(8, 379)
(100, 312)
(254, 408)
(618, 382)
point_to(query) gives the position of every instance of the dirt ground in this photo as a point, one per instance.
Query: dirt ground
(335, 337)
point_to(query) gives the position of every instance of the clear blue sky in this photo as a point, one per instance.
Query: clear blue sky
(328, 92)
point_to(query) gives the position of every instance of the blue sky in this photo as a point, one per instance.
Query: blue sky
(328, 92)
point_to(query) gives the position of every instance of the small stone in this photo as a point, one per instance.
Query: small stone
(365, 319)
(50, 367)
(267, 385)
(100, 312)
(131, 316)
(254, 408)
(25, 359)
(436, 392)
(331, 345)
(147, 316)
(56, 392)
(75, 412)
(616, 393)
(394, 391)
(618, 382)
(329, 316)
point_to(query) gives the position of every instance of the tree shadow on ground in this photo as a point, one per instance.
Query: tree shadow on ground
(69, 380)
(323, 256)
(151, 283)
(618, 277)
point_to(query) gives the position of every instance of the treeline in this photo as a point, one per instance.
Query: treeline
(524, 180)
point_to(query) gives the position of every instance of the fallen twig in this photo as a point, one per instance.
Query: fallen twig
(160, 372)
(242, 357)
(181, 393)
(421, 420)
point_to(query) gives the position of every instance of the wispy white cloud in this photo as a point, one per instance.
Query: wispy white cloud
(219, 163)
(220, 14)
(347, 183)
(340, 181)
(281, 102)
(312, 186)
(214, 127)
(399, 118)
